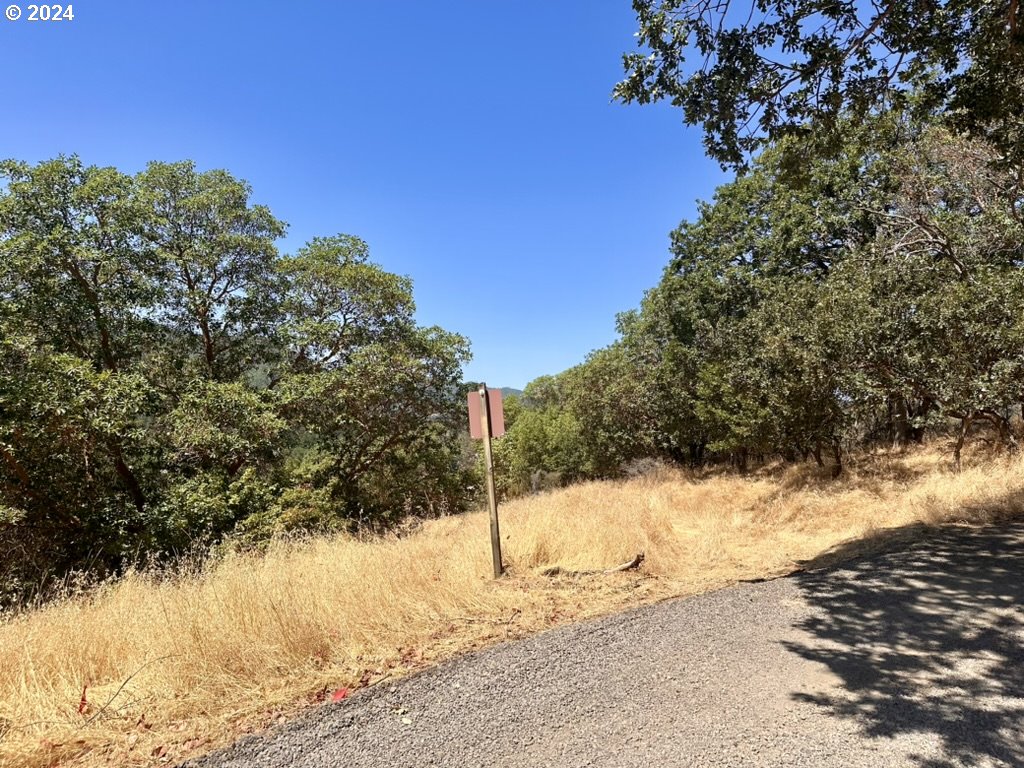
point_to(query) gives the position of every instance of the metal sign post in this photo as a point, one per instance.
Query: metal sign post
(486, 420)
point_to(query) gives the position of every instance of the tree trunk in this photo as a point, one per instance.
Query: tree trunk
(130, 481)
(837, 454)
(740, 457)
(899, 416)
(965, 424)
(697, 453)
(1003, 429)
(916, 433)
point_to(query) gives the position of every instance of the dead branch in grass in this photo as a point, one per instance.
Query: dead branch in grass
(557, 570)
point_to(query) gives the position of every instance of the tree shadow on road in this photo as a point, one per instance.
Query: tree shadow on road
(928, 641)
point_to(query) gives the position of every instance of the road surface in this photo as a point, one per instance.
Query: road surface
(912, 658)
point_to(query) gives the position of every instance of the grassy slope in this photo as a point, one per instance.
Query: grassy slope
(174, 667)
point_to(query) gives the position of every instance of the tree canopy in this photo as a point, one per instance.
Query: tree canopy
(881, 296)
(754, 74)
(167, 377)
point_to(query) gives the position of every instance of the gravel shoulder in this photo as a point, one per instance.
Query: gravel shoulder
(911, 658)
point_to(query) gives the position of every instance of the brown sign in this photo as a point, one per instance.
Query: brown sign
(495, 413)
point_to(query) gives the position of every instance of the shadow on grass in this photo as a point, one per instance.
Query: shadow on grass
(870, 471)
(928, 641)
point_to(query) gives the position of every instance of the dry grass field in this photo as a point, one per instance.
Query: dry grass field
(154, 668)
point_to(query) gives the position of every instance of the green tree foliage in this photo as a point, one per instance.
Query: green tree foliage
(541, 448)
(756, 74)
(878, 297)
(936, 303)
(167, 377)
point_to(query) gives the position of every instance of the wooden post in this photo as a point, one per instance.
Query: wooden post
(492, 494)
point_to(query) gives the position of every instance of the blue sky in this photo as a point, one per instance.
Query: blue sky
(473, 145)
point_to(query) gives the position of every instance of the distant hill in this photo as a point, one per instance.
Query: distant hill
(471, 386)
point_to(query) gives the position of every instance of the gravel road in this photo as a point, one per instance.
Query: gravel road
(912, 658)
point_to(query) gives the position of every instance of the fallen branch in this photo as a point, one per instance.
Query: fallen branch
(557, 570)
(502, 622)
(103, 709)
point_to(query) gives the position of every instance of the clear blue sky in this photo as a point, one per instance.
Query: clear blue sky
(472, 144)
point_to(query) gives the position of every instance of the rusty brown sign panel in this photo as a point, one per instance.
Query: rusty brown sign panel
(496, 413)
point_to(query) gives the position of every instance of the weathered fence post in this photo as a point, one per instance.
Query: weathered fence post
(486, 420)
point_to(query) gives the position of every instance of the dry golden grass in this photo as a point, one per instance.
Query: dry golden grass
(174, 666)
